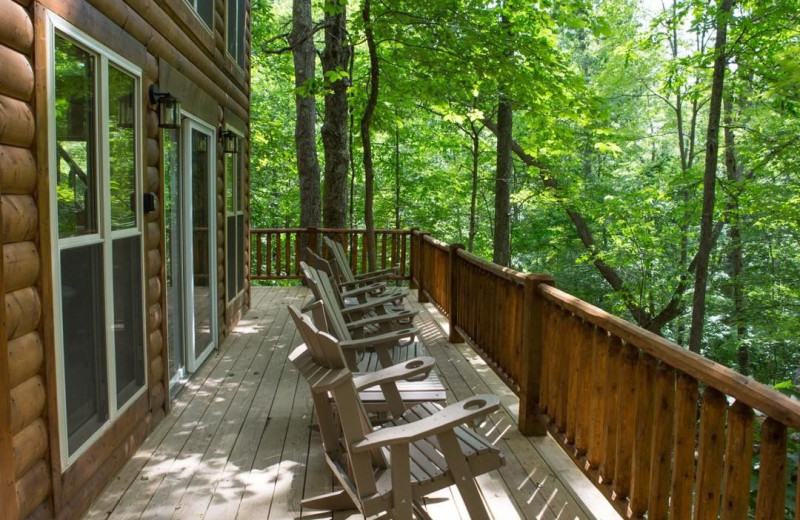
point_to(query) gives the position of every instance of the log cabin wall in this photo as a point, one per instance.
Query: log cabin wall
(153, 34)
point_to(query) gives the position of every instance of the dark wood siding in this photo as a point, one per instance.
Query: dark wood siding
(156, 35)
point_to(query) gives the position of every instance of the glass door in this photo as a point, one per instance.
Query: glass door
(189, 177)
(200, 242)
(173, 223)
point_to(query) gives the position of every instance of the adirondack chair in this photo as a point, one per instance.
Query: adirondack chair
(421, 385)
(346, 277)
(391, 469)
(357, 295)
(354, 310)
(355, 335)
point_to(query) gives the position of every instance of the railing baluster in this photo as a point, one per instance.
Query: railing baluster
(287, 250)
(710, 453)
(683, 474)
(771, 499)
(597, 404)
(642, 442)
(611, 386)
(661, 455)
(573, 357)
(258, 254)
(583, 374)
(625, 421)
(278, 250)
(738, 462)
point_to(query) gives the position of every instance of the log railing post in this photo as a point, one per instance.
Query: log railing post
(454, 337)
(421, 267)
(414, 252)
(530, 422)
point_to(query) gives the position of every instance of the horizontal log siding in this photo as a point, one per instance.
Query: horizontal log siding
(25, 481)
(276, 252)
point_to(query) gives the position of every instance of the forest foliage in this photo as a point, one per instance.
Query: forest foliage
(610, 108)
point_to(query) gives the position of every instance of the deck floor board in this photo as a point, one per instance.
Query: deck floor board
(238, 442)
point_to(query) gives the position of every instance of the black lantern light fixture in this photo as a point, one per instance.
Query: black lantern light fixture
(169, 108)
(230, 141)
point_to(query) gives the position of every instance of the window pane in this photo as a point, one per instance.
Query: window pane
(122, 148)
(232, 33)
(174, 252)
(232, 258)
(84, 342)
(76, 177)
(240, 253)
(128, 333)
(203, 305)
(230, 178)
(240, 33)
(240, 177)
(205, 8)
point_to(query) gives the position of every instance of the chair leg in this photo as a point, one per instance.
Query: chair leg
(335, 501)
(462, 475)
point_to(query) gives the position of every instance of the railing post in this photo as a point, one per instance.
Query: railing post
(421, 296)
(532, 339)
(454, 337)
(414, 252)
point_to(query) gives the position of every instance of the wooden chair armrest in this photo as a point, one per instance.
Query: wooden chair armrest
(378, 272)
(382, 318)
(366, 289)
(416, 367)
(372, 278)
(370, 305)
(461, 412)
(381, 339)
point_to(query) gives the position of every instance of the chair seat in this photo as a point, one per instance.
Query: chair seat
(413, 393)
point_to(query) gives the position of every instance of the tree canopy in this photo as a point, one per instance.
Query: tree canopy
(611, 108)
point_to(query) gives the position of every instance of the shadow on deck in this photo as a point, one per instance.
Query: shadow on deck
(237, 442)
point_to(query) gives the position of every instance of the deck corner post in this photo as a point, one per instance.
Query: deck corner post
(422, 297)
(414, 251)
(532, 339)
(454, 336)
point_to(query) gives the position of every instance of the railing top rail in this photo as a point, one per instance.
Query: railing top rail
(727, 381)
(503, 272)
(436, 243)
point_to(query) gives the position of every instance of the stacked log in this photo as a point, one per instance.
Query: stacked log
(24, 461)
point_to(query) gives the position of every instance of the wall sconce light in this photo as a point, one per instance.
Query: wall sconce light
(125, 111)
(230, 141)
(169, 108)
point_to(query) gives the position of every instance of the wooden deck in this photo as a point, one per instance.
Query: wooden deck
(237, 442)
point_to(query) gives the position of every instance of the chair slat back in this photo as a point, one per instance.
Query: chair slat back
(322, 289)
(340, 257)
(325, 268)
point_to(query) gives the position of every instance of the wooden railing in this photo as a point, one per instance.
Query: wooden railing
(276, 252)
(661, 431)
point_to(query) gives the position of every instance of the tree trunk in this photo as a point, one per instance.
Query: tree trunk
(502, 186)
(709, 178)
(396, 177)
(735, 174)
(366, 142)
(335, 59)
(305, 126)
(475, 133)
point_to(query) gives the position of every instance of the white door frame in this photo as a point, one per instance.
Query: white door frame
(190, 124)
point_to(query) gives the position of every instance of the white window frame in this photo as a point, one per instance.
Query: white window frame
(105, 57)
(238, 183)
